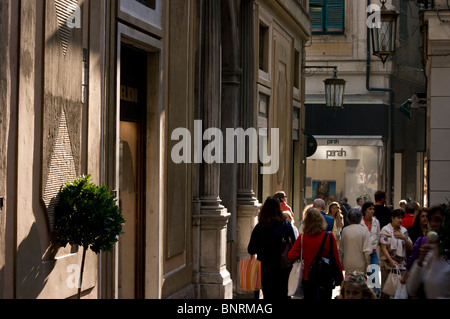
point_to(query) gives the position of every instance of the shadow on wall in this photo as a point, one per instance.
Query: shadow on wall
(32, 268)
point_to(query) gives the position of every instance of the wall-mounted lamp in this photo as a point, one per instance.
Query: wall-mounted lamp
(334, 89)
(384, 33)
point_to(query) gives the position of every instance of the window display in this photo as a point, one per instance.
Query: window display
(350, 167)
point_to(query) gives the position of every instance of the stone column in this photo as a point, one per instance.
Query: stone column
(231, 80)
(214, 279)
(247, 204)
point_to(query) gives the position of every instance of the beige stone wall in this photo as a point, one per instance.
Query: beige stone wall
(178, 192)
(49, 137)
(438, 133)
(62, 134)
(285, 36)
(6, 72)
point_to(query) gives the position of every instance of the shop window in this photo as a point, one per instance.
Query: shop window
(350, 167)
(263, 48)
(149, 3)
(264, 189)
(327, 16)
(143, 14)
(295, 123)
(404, 20)
(297, 69)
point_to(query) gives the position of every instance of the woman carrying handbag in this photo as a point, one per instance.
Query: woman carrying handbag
(394, 241)
(266, 242)
(316, 242)
(295, 283)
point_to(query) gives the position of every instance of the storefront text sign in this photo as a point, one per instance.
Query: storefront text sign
(336, 153)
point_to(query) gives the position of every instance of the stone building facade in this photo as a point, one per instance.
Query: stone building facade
(436, 56)
(99, 87)
(370, 144)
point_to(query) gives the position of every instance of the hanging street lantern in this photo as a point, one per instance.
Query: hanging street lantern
(384, 33)
(334, 89)
(334, 92)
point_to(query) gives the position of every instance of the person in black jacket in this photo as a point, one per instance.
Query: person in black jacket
(266, 242)
(382, 212)
(345, 207)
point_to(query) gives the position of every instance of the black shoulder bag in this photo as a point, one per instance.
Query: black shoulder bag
(337, 276)
(324, 271)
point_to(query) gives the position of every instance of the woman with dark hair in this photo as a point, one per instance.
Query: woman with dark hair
(266, 242)
(420, 226)
(373, 226)
(394, 241)
(418, 234)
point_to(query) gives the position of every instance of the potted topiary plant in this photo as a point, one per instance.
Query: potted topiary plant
(87, 215)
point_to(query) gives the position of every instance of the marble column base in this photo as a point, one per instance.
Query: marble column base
(214, 280)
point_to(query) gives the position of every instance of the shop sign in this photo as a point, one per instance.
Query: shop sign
(333, 142)
(349, 141)
(129, 94)
(336, 153)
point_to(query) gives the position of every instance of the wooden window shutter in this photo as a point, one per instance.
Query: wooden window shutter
(317, 12)
(335, 16)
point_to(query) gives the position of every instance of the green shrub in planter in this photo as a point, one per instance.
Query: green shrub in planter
(87, 215)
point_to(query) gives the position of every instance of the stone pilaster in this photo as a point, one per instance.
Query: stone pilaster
(214, 279)
(245, 194)
(248, 205)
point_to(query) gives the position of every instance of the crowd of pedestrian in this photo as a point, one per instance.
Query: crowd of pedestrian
(372, 245)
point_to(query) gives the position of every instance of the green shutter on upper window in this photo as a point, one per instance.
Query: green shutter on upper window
(316, 19)
(317, 3)
(327, 16)
(317, 13)
(335, 16)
